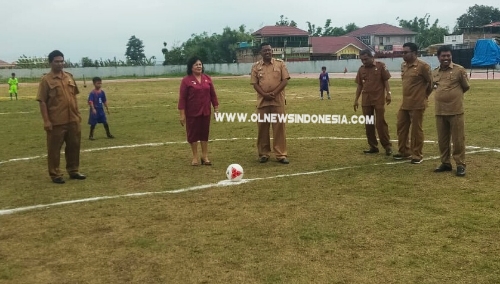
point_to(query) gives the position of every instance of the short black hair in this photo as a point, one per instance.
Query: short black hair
(366, 52)
(96, 79)
(443, 48)
(323, 68)
(13, 74)
(264, 44)
(53, 54)
(413, 47)
(190, 64)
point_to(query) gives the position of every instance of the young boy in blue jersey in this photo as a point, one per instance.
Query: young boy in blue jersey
(97, 99)
(324, 82)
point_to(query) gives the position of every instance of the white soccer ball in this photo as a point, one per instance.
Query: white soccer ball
(234, 172)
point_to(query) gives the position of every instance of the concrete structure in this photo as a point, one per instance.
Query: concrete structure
(333, 66)
(4, 64)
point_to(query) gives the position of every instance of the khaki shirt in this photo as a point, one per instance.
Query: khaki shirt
(450, 84)
(417, 84)
(269, 77)
(59, 94)
(372, 79)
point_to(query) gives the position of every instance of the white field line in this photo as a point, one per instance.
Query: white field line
(200, 187)
(221, 183)
(111, 107)
(17, 112)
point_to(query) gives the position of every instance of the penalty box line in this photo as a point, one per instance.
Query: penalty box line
(205, 186)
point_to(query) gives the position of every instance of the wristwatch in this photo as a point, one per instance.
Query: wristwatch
(389, 93)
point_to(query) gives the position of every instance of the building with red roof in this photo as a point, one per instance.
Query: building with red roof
(288, 43)
(333, 48)
(384, 38)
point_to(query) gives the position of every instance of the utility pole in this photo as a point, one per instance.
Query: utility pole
(284, 52)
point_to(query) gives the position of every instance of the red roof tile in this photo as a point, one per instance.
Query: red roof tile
(494, 24)
(280, 31)
(381, 29)
(333, 44)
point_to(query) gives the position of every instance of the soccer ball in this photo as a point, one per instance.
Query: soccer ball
(234, 172)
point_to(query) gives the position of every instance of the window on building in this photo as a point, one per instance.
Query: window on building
(365, 39)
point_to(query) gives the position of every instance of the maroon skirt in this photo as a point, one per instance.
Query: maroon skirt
(197, 128)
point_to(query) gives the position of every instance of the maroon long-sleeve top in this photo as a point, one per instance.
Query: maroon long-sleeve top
(196, 98)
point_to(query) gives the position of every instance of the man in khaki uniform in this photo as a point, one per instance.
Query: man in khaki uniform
(417, 86)
(450, 84)
(269, 78)
(373, 81)
(61, 118)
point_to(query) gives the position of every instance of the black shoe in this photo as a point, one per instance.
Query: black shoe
(388, 151)
(400, 157)
(371, 151)
(58, 180)
(263, 159)
(111, 136)
(416, 161)
(91, 138)
(443, 168)
(77, 176)
(284, 161)
(460, 171)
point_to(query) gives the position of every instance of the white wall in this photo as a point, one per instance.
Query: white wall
(333, 66)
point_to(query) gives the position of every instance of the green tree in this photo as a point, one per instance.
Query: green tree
(40, 62)
(477, 16)
(135, 51)
(214, 48)
(313, 30)
(164, 50)
(285, 22)
(328, 30)
(87, 62)
(351, 27)
(427, 34)
(175, 56)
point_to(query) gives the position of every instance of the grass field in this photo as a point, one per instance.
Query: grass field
(333, 215)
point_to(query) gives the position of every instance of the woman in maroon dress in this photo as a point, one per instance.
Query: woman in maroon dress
(196, 96)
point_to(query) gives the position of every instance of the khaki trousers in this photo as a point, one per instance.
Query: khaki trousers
(451, 126)
(70, 134)
(409, 123)
(380, 125)
(279, 134)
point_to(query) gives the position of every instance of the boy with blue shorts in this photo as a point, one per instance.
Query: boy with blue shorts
(324, 82)
(97, 99)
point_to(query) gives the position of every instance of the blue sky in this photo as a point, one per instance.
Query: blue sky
(101, 28)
